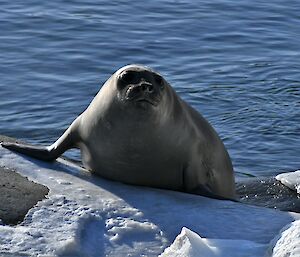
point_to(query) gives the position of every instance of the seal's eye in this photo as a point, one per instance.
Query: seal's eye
(128, 77)
(159, 80)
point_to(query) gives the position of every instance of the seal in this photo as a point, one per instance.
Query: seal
(137, 130)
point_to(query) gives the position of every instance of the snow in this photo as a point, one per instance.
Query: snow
(190, 244)
(85, 215)
(287, 243)
(291, 180)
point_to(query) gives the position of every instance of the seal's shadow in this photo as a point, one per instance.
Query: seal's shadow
(158, 206)
(170, 210)
(259, 191)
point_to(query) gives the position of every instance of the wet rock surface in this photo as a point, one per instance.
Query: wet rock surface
(17, 194)
(267, 192)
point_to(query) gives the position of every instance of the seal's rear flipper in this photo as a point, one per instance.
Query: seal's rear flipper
(39, 152)
(65, 142)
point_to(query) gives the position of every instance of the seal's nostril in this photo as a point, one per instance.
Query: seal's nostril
(144, 87)
(150, 88)
(147, 87)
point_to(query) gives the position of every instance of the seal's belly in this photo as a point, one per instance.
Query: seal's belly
(144, 168)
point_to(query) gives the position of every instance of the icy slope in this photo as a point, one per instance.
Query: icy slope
(89, 216)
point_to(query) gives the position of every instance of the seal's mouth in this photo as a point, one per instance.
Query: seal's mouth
(146, 101)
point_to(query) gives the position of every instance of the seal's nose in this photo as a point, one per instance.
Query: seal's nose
(143, 89)
(147, 87)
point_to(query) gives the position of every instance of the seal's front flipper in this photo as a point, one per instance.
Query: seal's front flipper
(205, 191)
(39, 152)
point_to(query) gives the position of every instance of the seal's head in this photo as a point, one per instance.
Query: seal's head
(139, 86)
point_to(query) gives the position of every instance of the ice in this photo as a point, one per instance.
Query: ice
(190, 244)
(287, 243)
(291, 180)
(85, 215)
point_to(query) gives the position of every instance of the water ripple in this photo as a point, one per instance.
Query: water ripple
(236, 63)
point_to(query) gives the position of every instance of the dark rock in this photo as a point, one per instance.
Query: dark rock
(17, 195)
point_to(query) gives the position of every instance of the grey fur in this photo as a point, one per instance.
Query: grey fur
(137, 130)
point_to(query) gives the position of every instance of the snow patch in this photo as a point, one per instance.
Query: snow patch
(291, 180)
(287, 243)
(85, 215)
(190, 244)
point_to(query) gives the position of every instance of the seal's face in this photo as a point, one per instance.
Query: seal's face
(140, 86)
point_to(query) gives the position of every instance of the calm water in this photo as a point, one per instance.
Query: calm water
(236, 62)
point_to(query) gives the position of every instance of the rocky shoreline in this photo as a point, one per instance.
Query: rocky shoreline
(17, 194)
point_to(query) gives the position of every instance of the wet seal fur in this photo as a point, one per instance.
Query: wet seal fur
(137, 130)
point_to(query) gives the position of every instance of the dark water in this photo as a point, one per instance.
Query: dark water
(237, 62)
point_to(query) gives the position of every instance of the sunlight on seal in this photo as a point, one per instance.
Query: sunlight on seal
(137, 130)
